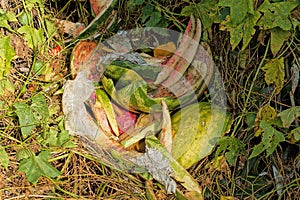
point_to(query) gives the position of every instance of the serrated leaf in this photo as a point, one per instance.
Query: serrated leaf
(4, 159)
(7, 54)
(238, 9)
(37, 166)
(33, 37)
(275, 73)
(270, 140)
(39, 105)
(276, 15)
(289, 115)
(27, 118)
(278, 37)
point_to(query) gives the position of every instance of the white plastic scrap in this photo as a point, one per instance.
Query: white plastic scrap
(77, 92)
(158, 167)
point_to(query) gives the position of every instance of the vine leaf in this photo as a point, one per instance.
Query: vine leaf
(276, 15)
(238, 9)
(243, 31)
(278, 37)
(241, 21)
(39, 105)
(37, 166)
(233, 147)
(296, 133)
(7, 54)
(6, 17)
(27, 119)
(275, 73)
(289, 115)
(270, 140)
(265, 113)
(31, 116)
(206, 10)
(34, 37)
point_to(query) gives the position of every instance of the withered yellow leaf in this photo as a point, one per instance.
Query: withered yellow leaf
(275, 73)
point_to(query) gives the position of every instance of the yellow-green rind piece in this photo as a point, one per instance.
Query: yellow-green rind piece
(197, 128)
(105, 102)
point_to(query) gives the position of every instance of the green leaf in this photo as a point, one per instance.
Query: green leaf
(54, 138)
(38, 67)
(275, 73)
(28, 120)
(7, 54)
(32, 3)
(187, 11)
(37, 166)
(296, 133)
(276, 15)
(51, 28)
(5, 17)
(278, 37)
(270, 140)
(134, 3)
(289, 115)
(238, 9)
(23, 153)
(33, 37)
(243, 31)
(31, 116)
(233, 146)
(4, 159)
(147, 12)
(25, 18)
(154, 19)
(206, 10)
(6, 85)
(39, 105)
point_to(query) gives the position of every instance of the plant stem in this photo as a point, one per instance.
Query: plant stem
(244, 111)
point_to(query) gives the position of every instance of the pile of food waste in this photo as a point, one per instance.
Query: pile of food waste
(134, 102)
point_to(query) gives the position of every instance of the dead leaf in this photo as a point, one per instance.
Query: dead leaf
(164, 50)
